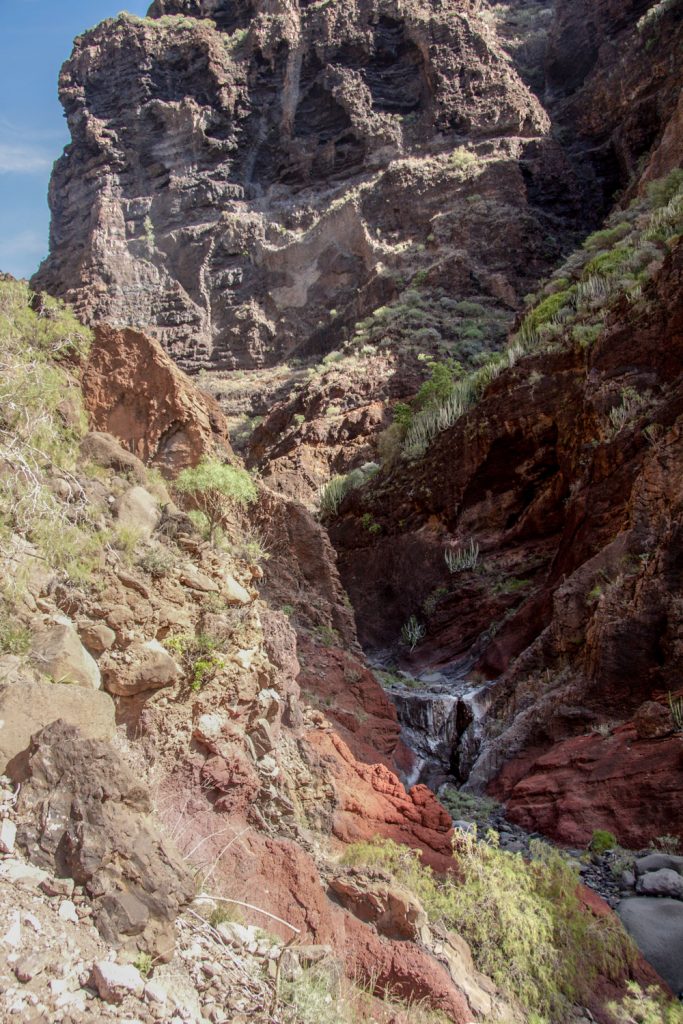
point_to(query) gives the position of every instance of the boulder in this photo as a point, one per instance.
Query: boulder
(116, 981)
(653, 721)
(664, 882)
(127, 372)
(234, 592)
(391, 909)
(105, 450)
(138, 510)
(86, 816)
(148, 666)
(657, 861)
(57, 652)
(656, 926)
(97, 637)
(27, 707)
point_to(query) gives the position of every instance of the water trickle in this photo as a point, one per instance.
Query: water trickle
(440, 715)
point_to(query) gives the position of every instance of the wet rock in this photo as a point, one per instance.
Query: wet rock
(27, 707)
(664, 882)
(87, 817)
(657, 862)
(57, 652)
(656, 926)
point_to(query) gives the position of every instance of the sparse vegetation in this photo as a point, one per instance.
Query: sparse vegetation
(523, 921)
(646, 1007)
(463, 558)
(676, 708)
(199, 655)
(412, 632)
(14, 638)
(334, 492)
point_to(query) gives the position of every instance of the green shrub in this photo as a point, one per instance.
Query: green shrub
(199, 656)
(334, 492)
(650, 1007)
(662, 191)
(144, 963)
(215, 488)
(611, 262)
(412, 632)
(439, 385)
(523, 921)
(602, 841)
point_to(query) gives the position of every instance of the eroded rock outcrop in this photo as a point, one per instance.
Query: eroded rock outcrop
(89, 818)
(258, 180)
(135, 392)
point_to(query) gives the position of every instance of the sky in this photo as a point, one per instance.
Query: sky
(36, 38)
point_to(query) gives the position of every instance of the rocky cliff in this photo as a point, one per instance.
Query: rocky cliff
(248, 187)
(370, 222)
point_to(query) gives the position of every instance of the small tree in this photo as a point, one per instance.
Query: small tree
(215, 488)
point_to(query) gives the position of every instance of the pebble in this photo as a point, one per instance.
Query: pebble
(8, 836)
(67, 911)
(115, 981)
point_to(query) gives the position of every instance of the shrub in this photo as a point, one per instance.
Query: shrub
(602, 841)
(215, 489)
(144, 963)
(523, 921)
(662, 191)
(650, 1007)
(157, 562)
(412, 632)
(199, 656)
(465, 558)
(676, 707)
(334, 492)
(462, 159)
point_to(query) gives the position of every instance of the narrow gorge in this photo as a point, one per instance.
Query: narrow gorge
(341, 504)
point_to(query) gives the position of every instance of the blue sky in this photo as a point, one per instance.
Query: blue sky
(36, 39)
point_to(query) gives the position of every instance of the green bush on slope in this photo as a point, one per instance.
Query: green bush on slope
(523, 921)
(613, 262)
(41, 423)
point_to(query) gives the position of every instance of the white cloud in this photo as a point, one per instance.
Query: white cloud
(23, 159)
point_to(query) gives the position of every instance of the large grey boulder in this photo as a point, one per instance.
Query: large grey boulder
(657, 861)
(664, 882)
(656, 926)
(27, 706)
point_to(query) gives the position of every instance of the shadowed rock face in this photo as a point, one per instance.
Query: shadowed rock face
(237, 171)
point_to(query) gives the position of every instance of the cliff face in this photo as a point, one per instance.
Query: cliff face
(249, 181)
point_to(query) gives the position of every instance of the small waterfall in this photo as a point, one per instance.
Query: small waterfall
(440, 715)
